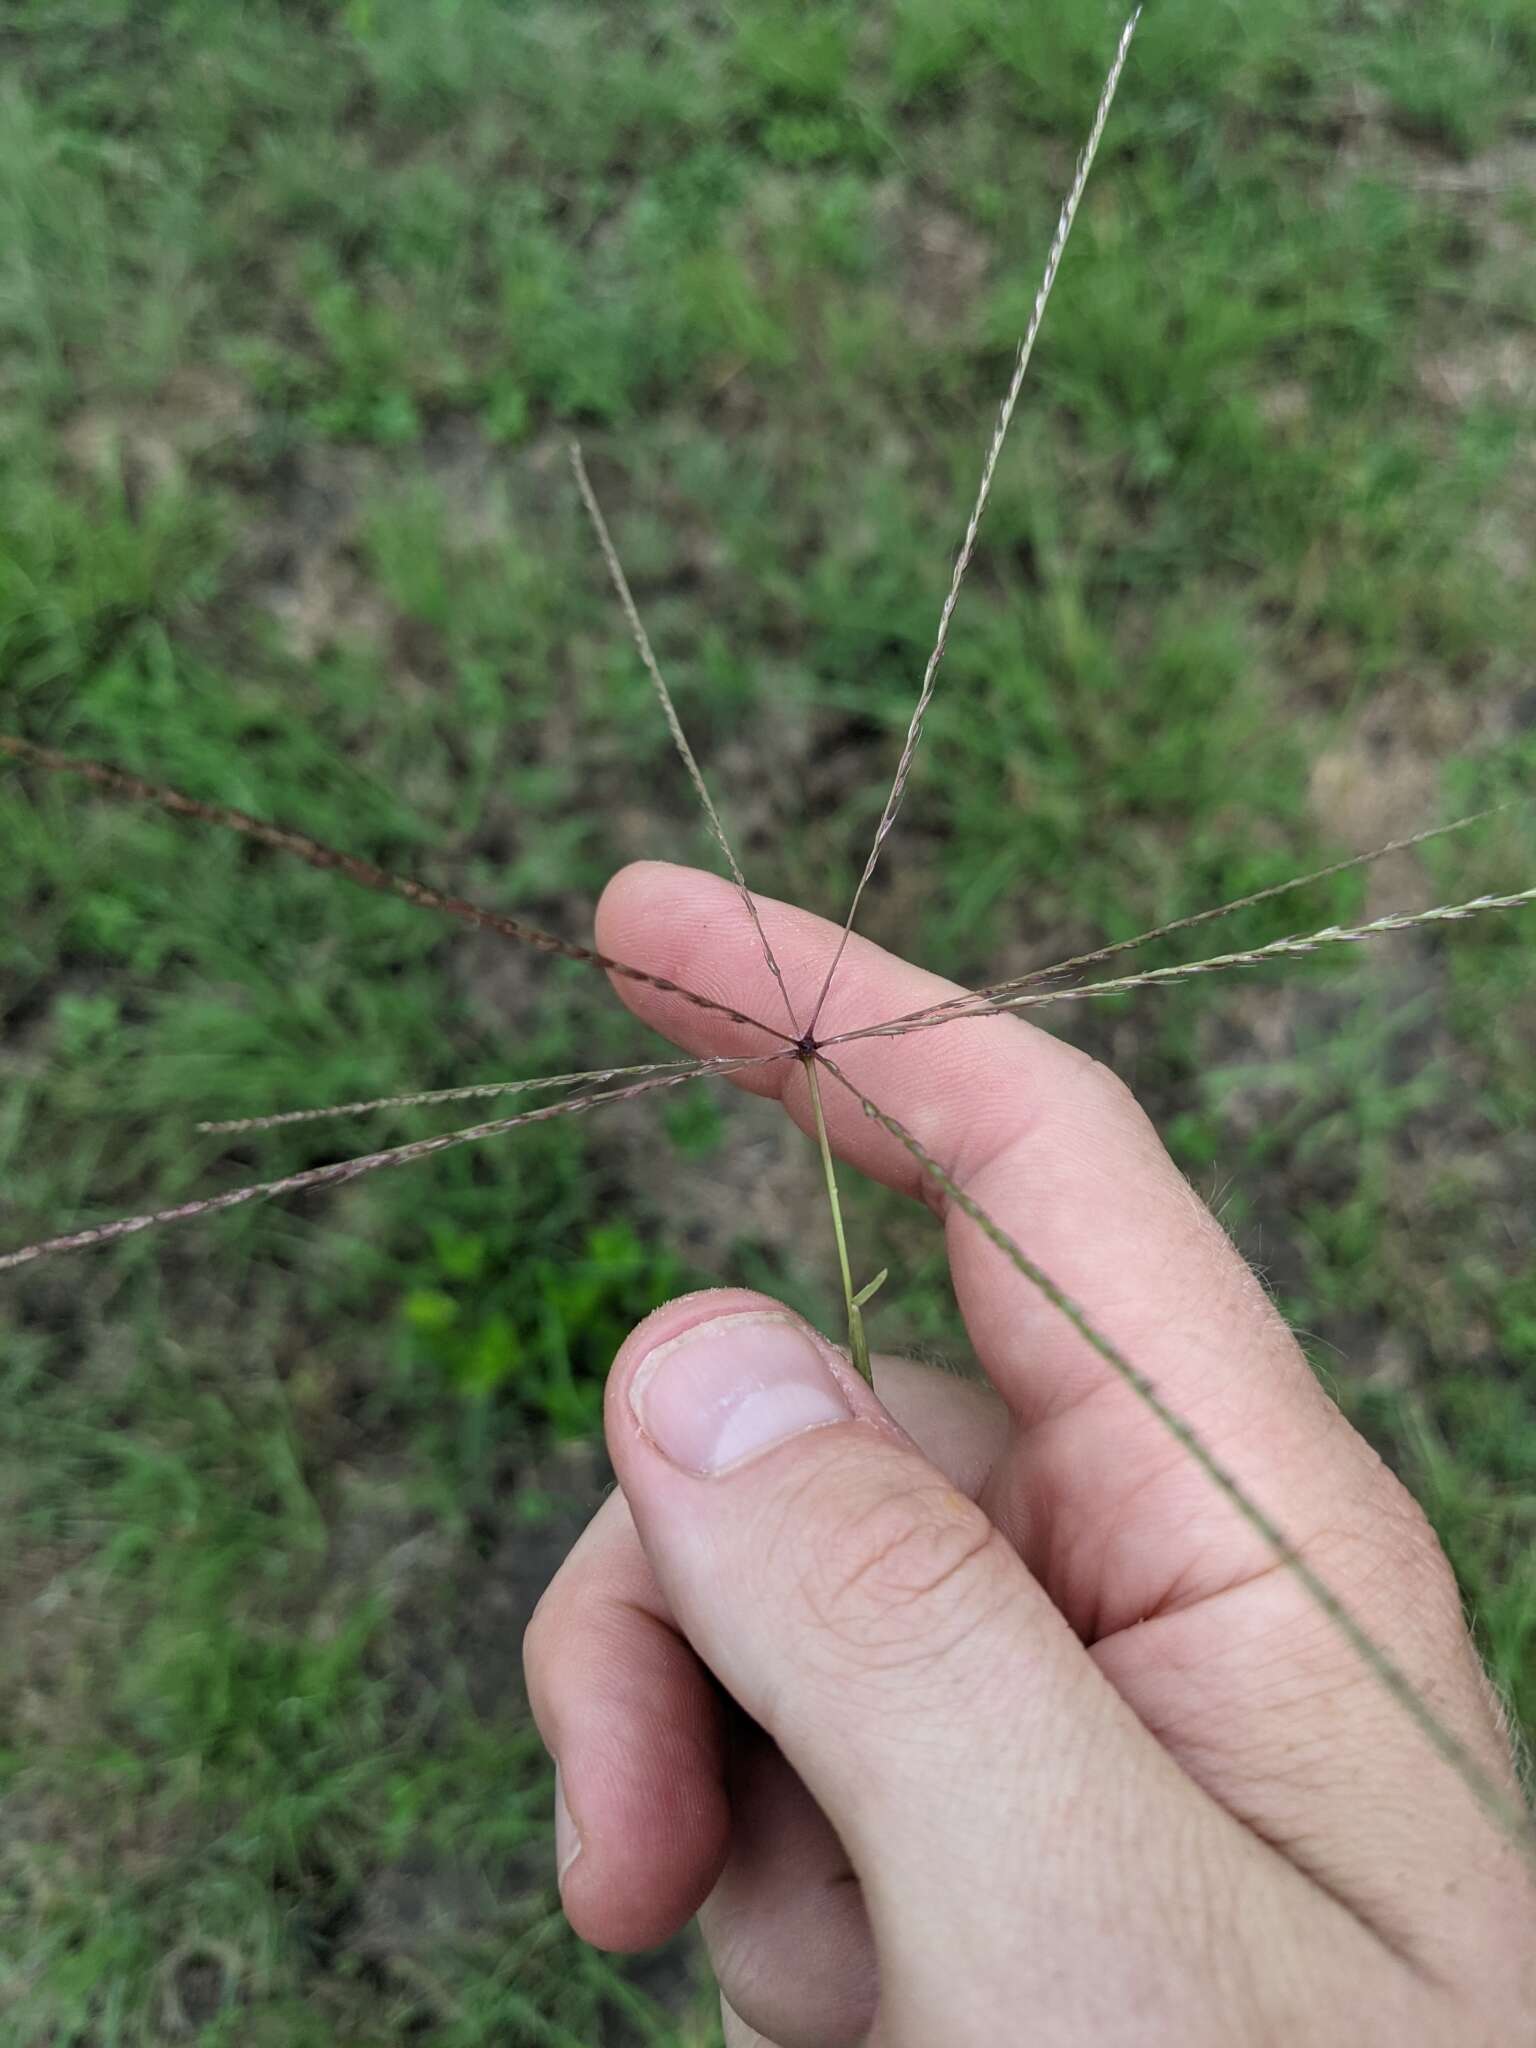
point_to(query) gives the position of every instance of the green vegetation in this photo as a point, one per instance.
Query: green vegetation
(298, 304)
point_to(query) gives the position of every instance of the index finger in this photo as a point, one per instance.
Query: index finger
(1233, 1664)
(1057, 1151)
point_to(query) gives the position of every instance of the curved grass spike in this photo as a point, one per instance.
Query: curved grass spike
(853, 1300)
(1162, 977)
(342, 1170)
(1502, 1807)
(1021, 993)
(1005, 414)
(474, 1091)
(1099, 954)
(652, 667)
(119, 782)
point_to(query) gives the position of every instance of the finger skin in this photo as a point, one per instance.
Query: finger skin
(737, 2033)
(785, 1927)
(1219, 1652)
(633, 1717)
(1000, 1805)
(637, 1728)
(1049, 1142)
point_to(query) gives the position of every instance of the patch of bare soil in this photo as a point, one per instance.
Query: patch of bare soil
(761, 1185)
(938, 262)
(1495, 367)
(1371, 142)
(57, 1641)
(381, 1546)
(301, 551)
(1381, 780)
(197, 1982)
(1498, 366)
(1264, 1037)
(1492, 364)
(458, 1614)
(150, 444)
(522, 1547)
(1495, 174)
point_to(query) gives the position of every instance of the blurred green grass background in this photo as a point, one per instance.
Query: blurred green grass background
(298, 304)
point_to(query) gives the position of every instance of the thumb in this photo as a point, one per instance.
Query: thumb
(871, 1618)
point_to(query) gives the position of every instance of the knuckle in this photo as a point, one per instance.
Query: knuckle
(905, 1577)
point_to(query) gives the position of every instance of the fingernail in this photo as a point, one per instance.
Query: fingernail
(567, 1841)
(729, 1390)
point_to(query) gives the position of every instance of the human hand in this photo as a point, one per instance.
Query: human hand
(971, 1715)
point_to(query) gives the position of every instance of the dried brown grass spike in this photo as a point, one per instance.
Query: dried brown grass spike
(281, 839)
(343, 1170)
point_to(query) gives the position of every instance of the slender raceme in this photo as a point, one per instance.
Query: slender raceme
(1501, 1807)
(990, 1003)
(343, 1170)
(1023, 992)
(669, 1074)
(1099, 954)
(1026, 350)
(477, 1091)
(652, 667)
(119, 782)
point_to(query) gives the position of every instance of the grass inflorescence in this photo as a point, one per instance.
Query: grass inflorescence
(291, 536)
